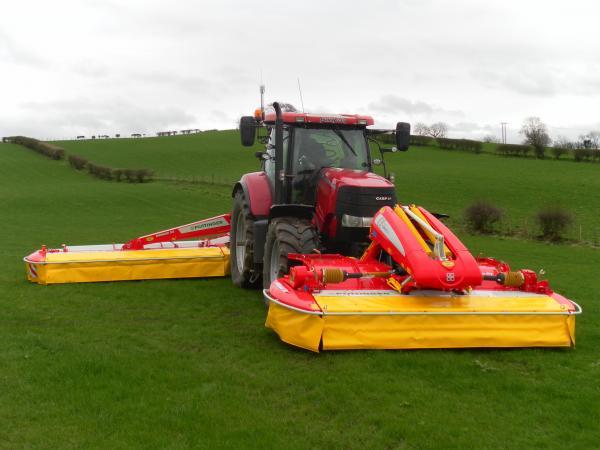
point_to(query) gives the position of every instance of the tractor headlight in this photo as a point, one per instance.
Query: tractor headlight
(356, 222)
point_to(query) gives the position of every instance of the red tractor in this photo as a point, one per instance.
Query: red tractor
(316, 191)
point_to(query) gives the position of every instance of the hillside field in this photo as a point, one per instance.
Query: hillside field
(441, 180)
(189, 363)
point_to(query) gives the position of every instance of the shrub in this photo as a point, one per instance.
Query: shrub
(445, 143)
(476, 146)
(582, 154)
(77, 162)
(524, 149)
(129, 175)
(91, 167)
(385, 138)
(52, 151)
(553, 222)
(557, 152)
(108, 173)
(104, 172)
(482, 216)
(143, 175)
(540, 151)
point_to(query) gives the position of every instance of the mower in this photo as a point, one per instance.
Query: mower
(341, 263)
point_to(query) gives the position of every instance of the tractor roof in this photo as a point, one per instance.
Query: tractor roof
(339, 119)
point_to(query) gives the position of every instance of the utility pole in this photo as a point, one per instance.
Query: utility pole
(504, 129)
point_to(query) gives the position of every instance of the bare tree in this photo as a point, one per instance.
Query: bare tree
(438, 130)
(535, 133)
(420, 129)
(563, 142)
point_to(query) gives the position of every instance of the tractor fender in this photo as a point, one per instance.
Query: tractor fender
(257, 190)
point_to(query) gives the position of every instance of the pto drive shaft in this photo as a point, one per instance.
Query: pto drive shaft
(510, 279)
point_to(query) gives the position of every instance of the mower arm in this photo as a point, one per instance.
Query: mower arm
(207, 228)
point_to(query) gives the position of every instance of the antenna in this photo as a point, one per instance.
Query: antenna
(262, 96)
(300, 90)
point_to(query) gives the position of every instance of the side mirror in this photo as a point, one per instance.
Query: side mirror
(247, 130)
(402, 136)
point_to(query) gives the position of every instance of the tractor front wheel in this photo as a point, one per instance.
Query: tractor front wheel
(286, 235)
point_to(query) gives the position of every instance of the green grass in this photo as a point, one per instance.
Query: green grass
(189, 363)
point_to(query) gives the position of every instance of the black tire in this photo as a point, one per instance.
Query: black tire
(286, 235)
(241, 258)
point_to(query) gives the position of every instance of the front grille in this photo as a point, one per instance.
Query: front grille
(363, 201)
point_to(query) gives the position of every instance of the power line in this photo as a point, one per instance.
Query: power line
(504, 131)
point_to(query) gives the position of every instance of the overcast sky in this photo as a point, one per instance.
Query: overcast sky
(105, 67)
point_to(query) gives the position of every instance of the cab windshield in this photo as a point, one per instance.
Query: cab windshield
(315, 148)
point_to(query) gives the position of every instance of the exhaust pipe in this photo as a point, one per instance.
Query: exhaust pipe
(279, 169)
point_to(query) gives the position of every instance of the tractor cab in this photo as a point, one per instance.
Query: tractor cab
(316, 190)
(310, 148)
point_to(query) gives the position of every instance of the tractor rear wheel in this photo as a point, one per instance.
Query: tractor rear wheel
(286, 235)
(241, 258)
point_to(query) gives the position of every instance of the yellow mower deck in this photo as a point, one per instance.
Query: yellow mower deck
(96, 263)
(424, 319)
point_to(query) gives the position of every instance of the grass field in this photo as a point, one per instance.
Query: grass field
(189, 364)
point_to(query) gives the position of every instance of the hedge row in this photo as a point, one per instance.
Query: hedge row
(420, 140)
(386, 138)
(414, 139)
(49, 150)
(108, 173)
(586, 154)
(460, 144)
(514, 149)
(578, 154)
(130, 175)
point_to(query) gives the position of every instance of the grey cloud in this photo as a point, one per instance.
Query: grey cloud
(225, 118)
(12, 51)
(151, 59)
(391, 104)
(543, 80)
(86, 116)
(528, 81)
(187, 83)
(90, 69)
(470, 127)
(472, 130)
